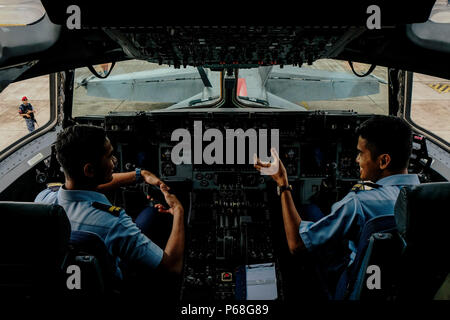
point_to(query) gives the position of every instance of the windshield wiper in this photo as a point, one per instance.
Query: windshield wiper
(197, 101)
(260, 101)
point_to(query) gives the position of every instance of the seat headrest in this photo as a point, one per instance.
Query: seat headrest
(33, 228)
(34, 241)
(422, 213)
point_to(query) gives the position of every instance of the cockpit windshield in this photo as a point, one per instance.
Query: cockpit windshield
(325, 85)
(137, 85)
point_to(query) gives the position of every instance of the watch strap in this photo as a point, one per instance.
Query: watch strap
(138, 175)
(283, 188)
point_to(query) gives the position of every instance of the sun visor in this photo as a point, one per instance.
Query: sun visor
(430, 35)
(21, 45)
(433, 34)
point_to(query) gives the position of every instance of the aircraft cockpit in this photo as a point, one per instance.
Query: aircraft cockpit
(194, 109)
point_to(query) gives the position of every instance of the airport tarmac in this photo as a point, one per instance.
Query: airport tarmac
(431, 100)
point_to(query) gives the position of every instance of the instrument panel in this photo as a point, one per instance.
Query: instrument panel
(310, 145)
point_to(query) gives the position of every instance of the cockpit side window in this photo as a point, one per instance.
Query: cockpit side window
(24, 110)
(428, 105)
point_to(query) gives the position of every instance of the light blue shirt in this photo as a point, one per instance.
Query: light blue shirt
(348, 216)
(123, 239)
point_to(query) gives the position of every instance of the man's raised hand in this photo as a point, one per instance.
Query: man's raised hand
(274, 169)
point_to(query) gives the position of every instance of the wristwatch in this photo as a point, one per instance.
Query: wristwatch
(138, 175)
(281, 189)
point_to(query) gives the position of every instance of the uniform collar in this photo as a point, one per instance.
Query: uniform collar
(399, 179)
(81, 195)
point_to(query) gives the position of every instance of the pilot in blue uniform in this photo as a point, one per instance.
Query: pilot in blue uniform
(348, 216)
(384, 148)
(92, 211)
(86, 156)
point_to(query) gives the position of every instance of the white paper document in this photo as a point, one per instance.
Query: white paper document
(261, 281)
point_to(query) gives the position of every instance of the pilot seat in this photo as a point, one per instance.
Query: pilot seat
(37, 248)
(413, 256)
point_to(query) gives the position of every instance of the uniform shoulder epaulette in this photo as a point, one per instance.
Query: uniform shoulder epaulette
(54, 186)
(365, 186)
(115, 211)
